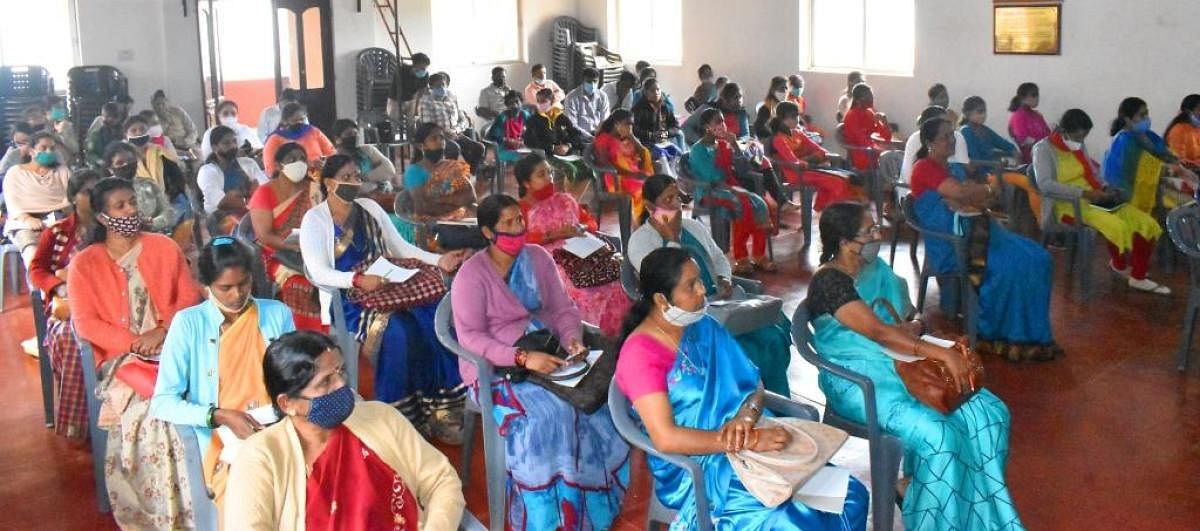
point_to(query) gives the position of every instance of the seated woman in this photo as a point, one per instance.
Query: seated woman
(698, 394)
(711, 163)
(566, 469)
(777, 91)
(655, 125)
(1062, 166)
(124, 290)
(225, 335)
(1137, 156)
(158, 137)
(56, 247)
(985, 147)
(508, 129)
(1011, 273)
(374, 165)
(554, 217)
(275, 210)
(667, 227)
(959, 161)
(797, 157)
(439, 188)
(334, 463)
(617, 147)
(551, 131)
(1183, 133)
(159, 164)
(294, 127)
(864, 129)
(35, 194)
(227, 181)
(339, 239)
(160, 212)
(954, 464)
(1026, 125)
(737, 122)
(248, 142)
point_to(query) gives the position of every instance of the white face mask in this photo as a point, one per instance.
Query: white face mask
(229, 121)
(155, 131)
(213, 296)
(1073, 145)
(296, 171)
(781, 95)
(682, 318)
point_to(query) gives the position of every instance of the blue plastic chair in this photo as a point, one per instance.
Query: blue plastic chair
(968, 300)
(204, 509)
(98, 436)
(1183, 225)
(631, 430)
(11, 265)
(884, 449)
(45, 371)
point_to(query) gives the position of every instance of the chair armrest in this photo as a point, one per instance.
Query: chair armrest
(1076, 203)
(470, 523)
(952, 238)
(441, 324)
(785, 407)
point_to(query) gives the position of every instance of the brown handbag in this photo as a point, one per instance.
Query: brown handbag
(930, 382)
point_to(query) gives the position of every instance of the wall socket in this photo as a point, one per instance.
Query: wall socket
(125, 55)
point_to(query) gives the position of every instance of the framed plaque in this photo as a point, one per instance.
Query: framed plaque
(1027, 28)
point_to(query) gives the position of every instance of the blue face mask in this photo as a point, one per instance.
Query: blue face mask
(46, 158)
(589, 88)
(439, 92)
(420, 72)
(797, 91)
(1142, 126)
(331, 410)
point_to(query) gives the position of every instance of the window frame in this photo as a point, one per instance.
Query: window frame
(521, 51)
(629, 56)
(808, 52)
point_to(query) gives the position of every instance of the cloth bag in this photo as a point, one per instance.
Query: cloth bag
(599, 268)
(424, 287)
(773, 477)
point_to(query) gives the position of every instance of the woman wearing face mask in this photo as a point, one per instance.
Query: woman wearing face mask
(211, 370)
(294, 127)
(1062, 165)
(438, 187)
(339, 239)
(1183, 133)
(121, 160)
(154, 161)
(59, 243)
(1137, 156)
(552, 218)
(567, 469)
(375, 167)
(656, 127)
(616, 146)
(157, 136)
(227, 181)
(797, 157)
(1026, 125)
(711, 163)
(125, 289)
(35, 194)
(276, 209)
(666, 226)
(227, 115)
(508, 129)
(777, 91)
(698, 394)
(985, 147)
(954, 463)
(1011, 274)
(334, 463)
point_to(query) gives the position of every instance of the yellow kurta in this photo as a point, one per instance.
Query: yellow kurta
(1118, 226)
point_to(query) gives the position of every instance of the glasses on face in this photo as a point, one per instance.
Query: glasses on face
(872, 231)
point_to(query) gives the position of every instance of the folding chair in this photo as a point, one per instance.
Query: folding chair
(884, 449)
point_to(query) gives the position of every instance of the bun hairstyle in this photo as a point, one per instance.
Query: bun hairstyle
(523, 170)
(839, 222)
(659, 273)
(1024, 90)
(783, 111)
(970, 105)
(1189, 104)
(291, 362)
(1125, 112)
(929, 132)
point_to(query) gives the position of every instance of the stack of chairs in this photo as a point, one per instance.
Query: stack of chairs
(375, 69)
(20, 88)
(576, 47)
(90, 87)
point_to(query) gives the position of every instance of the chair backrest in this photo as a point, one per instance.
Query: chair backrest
(204, 510)
(245, 230)
(629, 279)
(345, 340)
(1183, 225)
(889, 165)
(98, 436)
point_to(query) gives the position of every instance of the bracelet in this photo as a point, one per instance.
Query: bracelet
(212, 413)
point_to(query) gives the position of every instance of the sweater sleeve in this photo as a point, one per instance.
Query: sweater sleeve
(557, 307)
(250, 497)
(317, 251)
(185, 291)
(325, 146)
(40, 273)
(86, 314)
(470, 317)
(1045, 171)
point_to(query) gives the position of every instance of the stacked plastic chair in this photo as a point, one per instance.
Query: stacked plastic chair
(576, 47)
(90, 87)
(375, 69)
(20, 88)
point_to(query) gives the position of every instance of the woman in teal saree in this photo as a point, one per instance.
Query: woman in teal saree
(953, 464)
(698, 394)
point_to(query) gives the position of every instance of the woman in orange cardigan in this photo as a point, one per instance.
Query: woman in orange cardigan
(294, 127)
(124, 289)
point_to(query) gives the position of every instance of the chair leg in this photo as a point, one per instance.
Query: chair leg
(625, 219)
(895, 240)
(4, 258)
(806, 214)
(470, 427)
(912, 251)
(1189, 327)
(921, 288)
(497, 477)
(1084, 264)
(884, 472)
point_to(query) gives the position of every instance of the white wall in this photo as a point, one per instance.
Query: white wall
(1111, 49)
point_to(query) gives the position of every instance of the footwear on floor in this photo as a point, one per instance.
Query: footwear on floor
(1125, 272)
(1149, 286)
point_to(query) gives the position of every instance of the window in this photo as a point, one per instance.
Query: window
(472, 32)
(875, 36)
(650, 30)
(39, 33)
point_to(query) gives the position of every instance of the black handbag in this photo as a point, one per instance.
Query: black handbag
(590, 393)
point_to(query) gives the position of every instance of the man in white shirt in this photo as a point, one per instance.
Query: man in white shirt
(268, 121)
(587, 105)
(491, 98)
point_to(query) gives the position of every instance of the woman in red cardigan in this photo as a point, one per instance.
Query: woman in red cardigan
(125, 288)
(48, 273)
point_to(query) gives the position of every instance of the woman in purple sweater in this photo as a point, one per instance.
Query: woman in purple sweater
(567, 469)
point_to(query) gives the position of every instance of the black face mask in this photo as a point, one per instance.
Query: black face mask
(125, 172)
(139, 141)
(350, 143)
(228, 154)
(433, 155)
(348, 192)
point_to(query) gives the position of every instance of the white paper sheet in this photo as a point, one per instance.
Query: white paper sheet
(392, 272)
(592, 356)
(825, 491)
(464, 222)
(909, 358)
(568, 158)
(583, 246)
(663, 145)
(265, 415)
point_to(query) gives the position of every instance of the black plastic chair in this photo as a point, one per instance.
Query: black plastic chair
(967, 299)
(1183, 225)
(1080, 239)
(45, 371)
(885, 450)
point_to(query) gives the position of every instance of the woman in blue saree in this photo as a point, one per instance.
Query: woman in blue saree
(953, 464)
(698, 394)
(1011, 274)
(665, 226)
(339, 238)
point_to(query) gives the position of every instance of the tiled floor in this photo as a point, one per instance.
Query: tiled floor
(1107, 438)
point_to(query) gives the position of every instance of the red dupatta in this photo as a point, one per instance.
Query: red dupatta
(1089, 172)
(352, 489)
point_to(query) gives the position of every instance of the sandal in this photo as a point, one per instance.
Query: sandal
(743, 267)
(1149, 286)
(765, 264)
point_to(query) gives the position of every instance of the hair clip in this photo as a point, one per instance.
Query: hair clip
(222, 240)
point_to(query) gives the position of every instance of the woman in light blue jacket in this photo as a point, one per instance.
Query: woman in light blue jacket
(210, 373)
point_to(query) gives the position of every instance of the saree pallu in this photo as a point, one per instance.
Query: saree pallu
(957, 462)
(294, 288)
(1134, 164)
(447, 190)
(1119, 226)
(351, 489)
(413, 371)
(633, 166)
(769, 347)
(1014, 297)
(71, 415)
(707, 384)
(604, 305)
